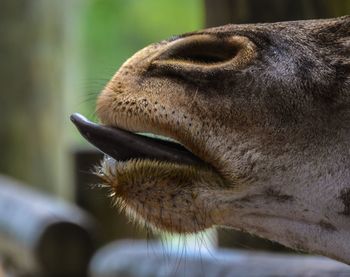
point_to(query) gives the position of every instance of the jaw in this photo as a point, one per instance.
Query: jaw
(166, 196)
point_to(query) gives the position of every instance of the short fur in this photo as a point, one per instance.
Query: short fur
(268, 107)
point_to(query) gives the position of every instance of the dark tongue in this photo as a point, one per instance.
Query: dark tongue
(123, 145)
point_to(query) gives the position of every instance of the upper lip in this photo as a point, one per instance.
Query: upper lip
(123, 145)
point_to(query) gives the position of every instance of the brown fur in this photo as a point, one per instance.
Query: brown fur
(267, 105)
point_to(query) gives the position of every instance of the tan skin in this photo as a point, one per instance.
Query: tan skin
(266, 106)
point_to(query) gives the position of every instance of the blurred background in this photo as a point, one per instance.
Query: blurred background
(55, 58)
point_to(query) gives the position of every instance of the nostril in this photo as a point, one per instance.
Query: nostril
(202, 49)
(204, 52)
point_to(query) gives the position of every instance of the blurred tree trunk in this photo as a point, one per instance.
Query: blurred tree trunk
(220, 12)
(33, 38)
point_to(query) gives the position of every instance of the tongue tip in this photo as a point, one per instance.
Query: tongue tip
(82, 123)
(84, 126)
(77, 118)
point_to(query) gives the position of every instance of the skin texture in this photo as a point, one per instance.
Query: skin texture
(267, 106)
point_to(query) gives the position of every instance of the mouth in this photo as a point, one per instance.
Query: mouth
(123, 145)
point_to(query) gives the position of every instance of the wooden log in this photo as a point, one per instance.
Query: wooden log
(41, 235)
(128, 258)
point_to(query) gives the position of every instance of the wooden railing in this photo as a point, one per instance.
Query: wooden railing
(41, 235)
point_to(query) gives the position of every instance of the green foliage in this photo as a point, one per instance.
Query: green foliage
(115, 29)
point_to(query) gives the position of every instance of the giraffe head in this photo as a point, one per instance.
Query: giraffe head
(262, 113)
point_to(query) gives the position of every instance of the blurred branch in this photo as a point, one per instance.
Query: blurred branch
(220, 12)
